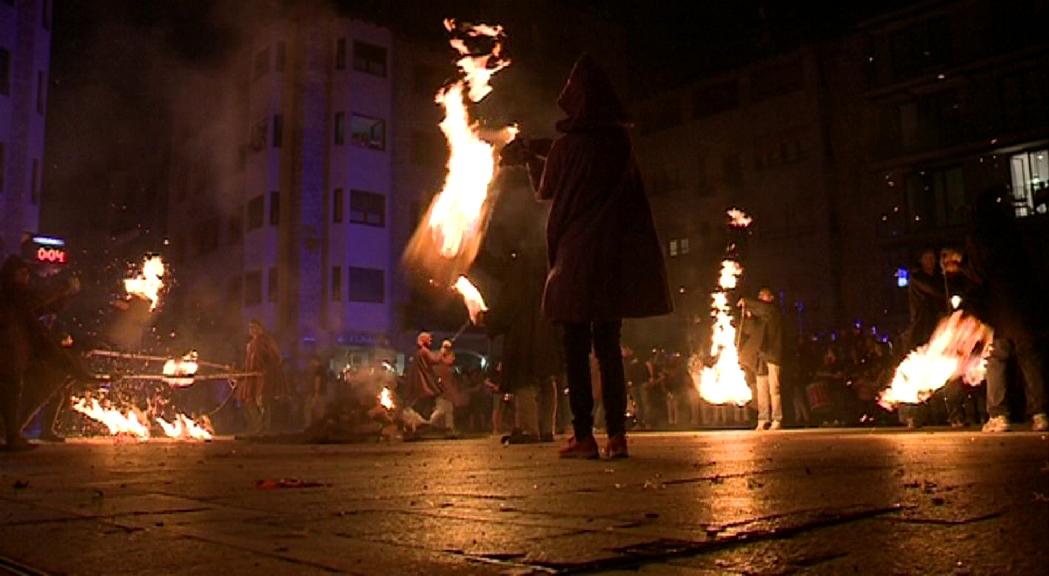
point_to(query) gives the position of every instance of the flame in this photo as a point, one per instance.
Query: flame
(185, 366)
(724, 382)
(184, 428)
(738, 219)
(148, 283)
(456, 220)
(471, 297)
(959, 347)
(386, 398)
(117, 422)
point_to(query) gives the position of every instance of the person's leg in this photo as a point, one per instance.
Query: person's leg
(763, 400)
(775, 397)
(547, 407)
(1030, 361)
(997, 372)
(526, 411)
(577, 341)
(613, 380)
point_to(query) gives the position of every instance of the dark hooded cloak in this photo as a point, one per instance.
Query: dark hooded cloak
(606, 261)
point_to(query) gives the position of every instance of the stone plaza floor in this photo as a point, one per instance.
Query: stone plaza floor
(718, 502)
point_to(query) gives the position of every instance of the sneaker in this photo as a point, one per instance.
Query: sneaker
(1040, 422)
(761, 425)
(616, 447)
(585, 449)
(997, 424)
(776, 425)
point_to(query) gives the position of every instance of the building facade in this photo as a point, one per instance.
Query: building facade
(25, 54)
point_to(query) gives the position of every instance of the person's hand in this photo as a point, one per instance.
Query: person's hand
(515, 153)
(740, 303)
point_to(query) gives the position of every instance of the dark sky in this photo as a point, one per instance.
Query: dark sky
(113, 60)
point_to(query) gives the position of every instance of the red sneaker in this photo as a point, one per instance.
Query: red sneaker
(616, 447)
(585, 449)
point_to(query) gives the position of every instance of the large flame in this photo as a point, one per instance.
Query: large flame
(117, 422)
(958, 348)
(184, 428)
(471, 297)
(456, 220)
(725, 381)
(386, 398)
(149, 281)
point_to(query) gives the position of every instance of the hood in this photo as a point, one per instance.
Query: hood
(589, 99)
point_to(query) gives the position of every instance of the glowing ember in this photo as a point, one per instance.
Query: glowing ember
(456, 220)
(959, 347)
(184, 428)
(116, 421)
(956, 302)
(148, 283)
(724, 382)
(386, 399)
(471, 297)
(185, 366)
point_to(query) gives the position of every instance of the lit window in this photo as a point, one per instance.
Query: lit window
(673, 247)
(368, 132)
(1030, 179)
(683, 245)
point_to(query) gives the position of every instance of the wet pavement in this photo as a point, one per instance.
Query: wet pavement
(731, 502)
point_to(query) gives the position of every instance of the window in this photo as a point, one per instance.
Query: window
(336, 284)
(256, 211)
(253, 288)
(1030, 179)
(272, 288)
(274, 208)
(340, 54)
(5, 72)
(367, 208)
(282, 55)
(935, 199)
(257, 138)
(920, 47)
(262, 63)
(683, 246)
(368, 132)
(278, 130)
(369, 58)
(366, 285)
(678, 247)
(673, 248)
(41, 93)
(716, 98)
(336, 206)
(340, 128)
(34, 186)
(235, 289)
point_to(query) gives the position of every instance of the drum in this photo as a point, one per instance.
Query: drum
(819, 396)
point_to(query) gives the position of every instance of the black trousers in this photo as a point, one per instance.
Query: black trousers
(603, 338)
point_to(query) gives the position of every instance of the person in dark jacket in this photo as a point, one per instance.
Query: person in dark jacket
(531, 355)
(1005, 299)
(606, 261)
(770, 358)
(927, 301)
(257, 394)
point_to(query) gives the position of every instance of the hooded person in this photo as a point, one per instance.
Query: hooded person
(606, 261)
(257, 393)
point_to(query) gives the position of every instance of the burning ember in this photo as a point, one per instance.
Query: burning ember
(117, 422)
(386, 399)
(724, 382)
(959, 347)
(148, 283)
(471, 297)
(455, 223)
(184, 428)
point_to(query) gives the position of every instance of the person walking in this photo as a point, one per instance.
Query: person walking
(606, 261)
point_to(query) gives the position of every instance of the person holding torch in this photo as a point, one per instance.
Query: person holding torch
(606, 261)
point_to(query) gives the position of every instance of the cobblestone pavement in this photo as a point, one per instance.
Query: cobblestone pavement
(730, 502)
